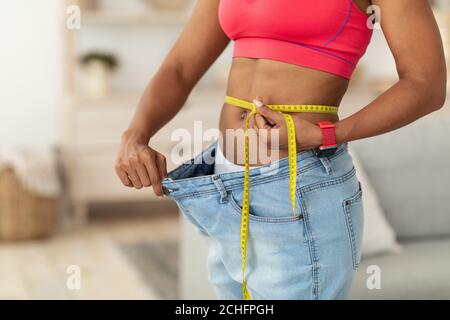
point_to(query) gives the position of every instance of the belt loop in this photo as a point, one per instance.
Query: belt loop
(326, 164)
(221, 188)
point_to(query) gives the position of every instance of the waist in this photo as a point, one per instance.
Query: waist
(232, 128)
(191, 174)
(233, 118)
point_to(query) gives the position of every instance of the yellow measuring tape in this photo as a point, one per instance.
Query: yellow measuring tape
(292, 156)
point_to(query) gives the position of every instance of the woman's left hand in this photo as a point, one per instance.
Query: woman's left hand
(308, 135)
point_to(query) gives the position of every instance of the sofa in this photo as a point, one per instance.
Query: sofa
(410, 172)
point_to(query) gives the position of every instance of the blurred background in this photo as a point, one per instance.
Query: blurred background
(71, 76)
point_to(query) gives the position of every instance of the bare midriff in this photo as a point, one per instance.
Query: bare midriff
(277, 83)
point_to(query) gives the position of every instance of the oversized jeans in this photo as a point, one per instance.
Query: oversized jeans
(311, 254)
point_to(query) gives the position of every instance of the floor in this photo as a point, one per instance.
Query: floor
(107, 259)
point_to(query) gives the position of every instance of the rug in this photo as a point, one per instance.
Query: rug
(157, 264)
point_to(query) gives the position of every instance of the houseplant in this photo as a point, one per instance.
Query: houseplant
(97, 70)
(172, 5)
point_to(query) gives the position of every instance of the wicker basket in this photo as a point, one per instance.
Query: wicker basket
(24, 215)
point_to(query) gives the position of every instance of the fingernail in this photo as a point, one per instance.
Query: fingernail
(258, 103)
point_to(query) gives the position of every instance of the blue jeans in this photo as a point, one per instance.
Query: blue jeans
(311, 254)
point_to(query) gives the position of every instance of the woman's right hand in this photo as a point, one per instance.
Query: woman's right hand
(138, 165)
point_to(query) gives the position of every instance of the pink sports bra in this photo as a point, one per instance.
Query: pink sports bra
(326, 35)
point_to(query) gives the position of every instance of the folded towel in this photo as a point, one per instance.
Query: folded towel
(36, 169)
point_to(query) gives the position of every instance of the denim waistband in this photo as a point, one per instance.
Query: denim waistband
(180, 184)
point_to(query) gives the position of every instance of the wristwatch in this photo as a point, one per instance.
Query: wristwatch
(329, 145)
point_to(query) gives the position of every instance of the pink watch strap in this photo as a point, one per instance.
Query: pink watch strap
(328, 133)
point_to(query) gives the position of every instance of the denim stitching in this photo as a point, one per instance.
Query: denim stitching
(224, 195)
(234, 186)
(346, 204)
(184, 167)
(312, 249)
(351, 236)
(256, 218)
(321, 185)
(239, 185)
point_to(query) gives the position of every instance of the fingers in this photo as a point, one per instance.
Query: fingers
(139, 171)
(146, 168)
(128, 174)
(272, 117)
(123, 176)
(260, 122)
(162, 165)
(259, 102)
(152, 166)
(275, 117)
(274, 123)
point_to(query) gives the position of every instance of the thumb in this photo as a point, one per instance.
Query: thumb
(274, 117)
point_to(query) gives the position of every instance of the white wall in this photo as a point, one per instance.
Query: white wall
(30, 71)
(378, 61)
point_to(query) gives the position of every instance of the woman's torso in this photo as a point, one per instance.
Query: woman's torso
(278, 83)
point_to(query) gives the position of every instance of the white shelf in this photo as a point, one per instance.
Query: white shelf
(144, 18)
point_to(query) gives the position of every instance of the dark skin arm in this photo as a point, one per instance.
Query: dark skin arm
(414, 39)
(200, 44)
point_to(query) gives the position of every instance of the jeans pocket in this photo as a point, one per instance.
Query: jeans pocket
(269, 203)
(354, 218)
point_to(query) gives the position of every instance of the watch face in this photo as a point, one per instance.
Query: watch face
(326, 152)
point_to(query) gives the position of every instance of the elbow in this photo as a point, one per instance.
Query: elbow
(440, 104)
(442, 96)
(438, 90)
(429, 86)
(434, 90)
(438, 97)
